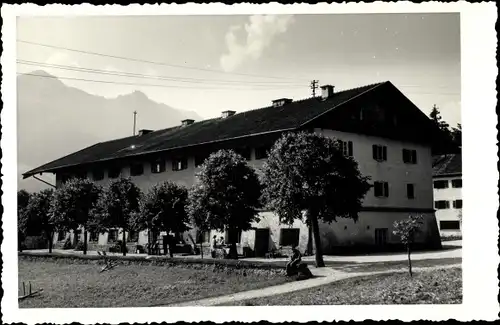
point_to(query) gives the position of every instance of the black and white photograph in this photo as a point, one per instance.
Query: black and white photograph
(249, 158)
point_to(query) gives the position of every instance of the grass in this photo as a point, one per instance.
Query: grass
(442, 286)
(395, 265)
(69, 284)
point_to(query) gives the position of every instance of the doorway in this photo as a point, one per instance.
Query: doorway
(261, 246)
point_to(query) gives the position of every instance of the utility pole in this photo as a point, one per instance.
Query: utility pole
(314, 86)
(135, 117)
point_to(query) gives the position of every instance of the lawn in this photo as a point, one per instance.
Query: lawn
(443, 286)
(75, 285)
(395, 265)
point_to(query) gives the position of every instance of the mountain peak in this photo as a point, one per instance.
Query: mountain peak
(41, 73)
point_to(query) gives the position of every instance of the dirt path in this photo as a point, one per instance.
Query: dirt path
(323, 276)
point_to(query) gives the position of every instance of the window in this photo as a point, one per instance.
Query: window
(441, 205)
(158, 166)
(440, 184)
(244, 152)
(232, 236)
(381, 189)
(200, 159)
(61, 235)
(457, 204)
(289, 236)
(112, 235)
(346, 147)
(98, 175)
(179, 164)
(409, 156)
(449, 225)
(136, 169)
(93, 236)
(81, 175)
(456, 183)
(133, 236)
(379, 152)
(262, 152)
(114, 172)
(410, 191)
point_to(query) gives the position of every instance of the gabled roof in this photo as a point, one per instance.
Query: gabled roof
(447, 165)
(254, 122)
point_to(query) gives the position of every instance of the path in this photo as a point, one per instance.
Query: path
(323, 276)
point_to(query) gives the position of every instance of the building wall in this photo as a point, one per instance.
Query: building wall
(452, 214)
(343, 232)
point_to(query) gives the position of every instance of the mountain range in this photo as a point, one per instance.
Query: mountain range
(54, 119)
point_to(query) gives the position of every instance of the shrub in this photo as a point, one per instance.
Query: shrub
(79, 246)
(68, 244)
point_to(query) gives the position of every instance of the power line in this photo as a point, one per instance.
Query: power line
(151, 62)
(141, 84)
(146, 76)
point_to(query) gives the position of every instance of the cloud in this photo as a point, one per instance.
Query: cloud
(260, 33)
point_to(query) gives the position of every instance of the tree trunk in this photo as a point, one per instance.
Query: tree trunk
(233, 252)
(20, 241)
(84, 241)
(50, 241)
(313, 216)
(124, 244)
(149, 242)
(409, 261)
(309, 239)
(201, 248)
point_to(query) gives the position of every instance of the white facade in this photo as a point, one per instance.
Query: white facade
(375, 223)
(448, 203)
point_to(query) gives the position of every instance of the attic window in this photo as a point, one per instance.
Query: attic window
(114, 172)
(136, 169)
(158, 166)
(98, 175)
(179, 164)
(281, 102)
(227, 114)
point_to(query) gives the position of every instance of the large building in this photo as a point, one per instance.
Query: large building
(382, 129)
(448, 201)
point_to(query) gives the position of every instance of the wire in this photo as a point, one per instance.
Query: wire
(146, 76)
(151, 62)
(139, 84)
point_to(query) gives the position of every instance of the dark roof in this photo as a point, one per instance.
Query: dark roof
(264, 120)
(450, 164)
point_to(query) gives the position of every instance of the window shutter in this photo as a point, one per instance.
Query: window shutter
(384, 148)
(374, 149)
(386, 189)
(414, 156)
(350, 148)
(405, 156)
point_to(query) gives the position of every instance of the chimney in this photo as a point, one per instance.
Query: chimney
(327, 91)
(144, 131)
(227, 114)
(187, 122)
(281, 102)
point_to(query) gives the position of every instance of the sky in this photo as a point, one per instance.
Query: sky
(209, 64)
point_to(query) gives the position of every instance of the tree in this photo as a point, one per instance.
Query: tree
(197, 212)
(116, 207)
(73, 204)
(38, 220)
(23, 198)
(444, 143)
(406, 230)
(163, 209)
(456, 134)
(226, 196)
(308, 172)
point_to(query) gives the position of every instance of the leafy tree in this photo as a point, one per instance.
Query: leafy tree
(406, 230)
(73, 204)
(163, 209)
(444, 142)
(23, 198)
(38, 220)
(308, 172)
(456, 134)
(116, 207)
(197, 210)
(226, 196)
(436, 117)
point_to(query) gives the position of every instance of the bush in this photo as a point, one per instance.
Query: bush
(68, 244)
(79, 246)
(117, 247)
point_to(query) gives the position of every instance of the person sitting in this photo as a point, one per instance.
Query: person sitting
(295, 259)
